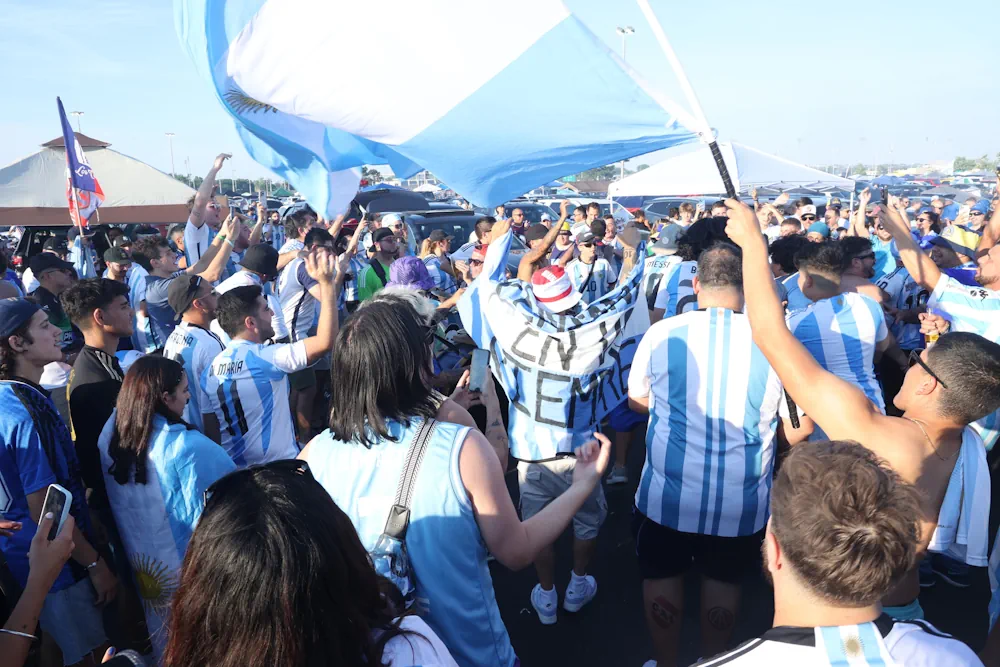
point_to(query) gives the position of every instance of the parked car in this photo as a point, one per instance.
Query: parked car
(533, 212)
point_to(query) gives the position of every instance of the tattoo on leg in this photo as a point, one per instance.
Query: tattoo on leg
(664, 613)
(721, 619)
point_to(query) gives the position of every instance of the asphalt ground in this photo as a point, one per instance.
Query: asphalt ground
(611, 629)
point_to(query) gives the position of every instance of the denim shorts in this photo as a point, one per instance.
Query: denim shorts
(73, 621)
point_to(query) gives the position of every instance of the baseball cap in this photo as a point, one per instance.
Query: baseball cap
(261, 258)
(74, 231)
(950, 212)
(123, 241)
(118, 255)
(553, 289)
(410, 272)
(14, 313)
(668, 238)
(45, 261)
(546, 217)
(835, 203)
(182, 292)
(808, 209)
(391, 219)
(983, 206)
(535, 232)
(57, 244)
(381, 234)
(820, 228)
(586, 236)
(479, 252)
(439, 235)
(962, 240)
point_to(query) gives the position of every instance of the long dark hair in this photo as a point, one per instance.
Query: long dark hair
(381, 368)
(276, 576)
(140, 398)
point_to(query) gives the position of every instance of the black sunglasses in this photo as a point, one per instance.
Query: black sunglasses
(809, 217)
(294, 466)
(915, 359)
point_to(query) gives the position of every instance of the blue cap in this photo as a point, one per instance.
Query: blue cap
(983, 205)
(950, 212)
(14, 313)
(925, 209)
(820, 228)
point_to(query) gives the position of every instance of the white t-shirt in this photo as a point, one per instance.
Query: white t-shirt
(196, 241)
(413, 650)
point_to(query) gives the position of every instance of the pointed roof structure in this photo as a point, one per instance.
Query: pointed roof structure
(33, 190)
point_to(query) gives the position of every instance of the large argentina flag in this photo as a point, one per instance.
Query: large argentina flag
(321, 86)
(562, 373)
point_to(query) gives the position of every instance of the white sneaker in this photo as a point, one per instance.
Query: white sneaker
(580, 595)
(618, 475)
(545, 603)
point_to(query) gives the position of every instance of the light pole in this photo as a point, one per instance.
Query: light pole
(624, 32)
(170, 140)
(77, 114)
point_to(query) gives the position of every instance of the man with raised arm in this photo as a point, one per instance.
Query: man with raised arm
(205, 217)
(948, 387)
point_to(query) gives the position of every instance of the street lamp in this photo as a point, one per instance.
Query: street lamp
(77, 114)
(624, 32)
(170, 140)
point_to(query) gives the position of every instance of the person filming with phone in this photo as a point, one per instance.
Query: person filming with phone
(38, 452)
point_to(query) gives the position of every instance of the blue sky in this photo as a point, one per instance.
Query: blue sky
(813, 82)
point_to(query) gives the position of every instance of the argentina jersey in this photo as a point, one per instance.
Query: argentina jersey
(652, 274)
(246, 388)
(358, 264)
(793, 295)
(592, 280)
(194, 348)
(973, 310)
(905, 294)
(298, 306)
(714, 403)
(842, 333)
(443, 280)
(676, 293)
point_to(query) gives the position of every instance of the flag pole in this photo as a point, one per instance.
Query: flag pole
(705, 131)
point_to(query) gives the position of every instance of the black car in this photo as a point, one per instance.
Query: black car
(34, 238)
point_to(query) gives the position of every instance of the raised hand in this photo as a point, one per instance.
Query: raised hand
(742, 228)
(320, 265)
(864, 197)
(592, 460)
(781, 199)
(221, 160)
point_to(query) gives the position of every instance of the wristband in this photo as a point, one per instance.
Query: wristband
(94, 564)
(231, 243)
(18, 634)
(221, 236)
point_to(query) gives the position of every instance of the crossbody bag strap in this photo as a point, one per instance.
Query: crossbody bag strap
(399, 515)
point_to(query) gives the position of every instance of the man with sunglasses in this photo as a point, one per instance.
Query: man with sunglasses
(939, 398)
(591, 275)
(977, 215)
(859, 269)
(192, 343)
(881, 241)
(376, 274)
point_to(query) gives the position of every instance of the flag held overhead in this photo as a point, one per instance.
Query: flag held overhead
(328, 101)
(83, 192)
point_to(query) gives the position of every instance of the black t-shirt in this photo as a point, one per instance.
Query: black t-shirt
(92, 391)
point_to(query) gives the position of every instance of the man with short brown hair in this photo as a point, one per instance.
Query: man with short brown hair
(844, 529)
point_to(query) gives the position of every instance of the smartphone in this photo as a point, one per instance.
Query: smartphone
(478, 370)
(127, 658)
(57, 501)
(262, 198)
(885, 194)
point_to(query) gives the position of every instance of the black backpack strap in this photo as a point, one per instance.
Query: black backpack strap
(380, 272)
(399, 515)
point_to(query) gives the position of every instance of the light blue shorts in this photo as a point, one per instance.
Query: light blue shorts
(906, 612)
(73, 621)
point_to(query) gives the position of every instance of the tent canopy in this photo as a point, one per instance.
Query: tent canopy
(693, 172)
(427, 187)
(33, 190)
(282, 192)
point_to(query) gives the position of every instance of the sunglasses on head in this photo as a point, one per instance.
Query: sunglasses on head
(915, 359)
(293, 466)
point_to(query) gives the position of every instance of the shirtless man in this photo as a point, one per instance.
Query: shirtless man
(939, 397)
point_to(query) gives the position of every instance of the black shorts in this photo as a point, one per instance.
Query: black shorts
(664, 552)
(302, 380)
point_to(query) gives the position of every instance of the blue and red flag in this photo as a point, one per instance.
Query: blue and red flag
(82, 189)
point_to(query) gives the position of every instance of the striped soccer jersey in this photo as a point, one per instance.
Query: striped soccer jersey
(194, 348)
(676, 293)
(906, 294)
(247, 388)
(714, 402)
(842, 333)
(592, 280)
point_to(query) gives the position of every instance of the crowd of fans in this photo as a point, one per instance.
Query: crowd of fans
(276, 458)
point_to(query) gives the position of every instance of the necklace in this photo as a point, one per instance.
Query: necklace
(930, 442)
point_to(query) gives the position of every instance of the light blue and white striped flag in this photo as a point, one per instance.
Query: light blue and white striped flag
(853, 646)
(316, 87)
(563, 373)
